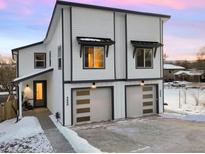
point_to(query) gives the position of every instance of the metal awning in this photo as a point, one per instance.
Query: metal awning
(92, 41)
(145, 44)
(32, 75)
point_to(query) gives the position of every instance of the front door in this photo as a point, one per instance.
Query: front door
(40, 93)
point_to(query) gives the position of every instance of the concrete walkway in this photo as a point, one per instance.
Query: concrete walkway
(57, 140)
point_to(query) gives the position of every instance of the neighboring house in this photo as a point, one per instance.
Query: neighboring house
(95, 64)
(190, 75)
(169, 70)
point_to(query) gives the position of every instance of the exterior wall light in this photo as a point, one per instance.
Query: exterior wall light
(142, 83)
(93, 85)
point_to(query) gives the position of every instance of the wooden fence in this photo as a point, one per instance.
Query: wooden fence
(6, 109)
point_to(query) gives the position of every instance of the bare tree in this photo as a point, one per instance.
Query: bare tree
(165, 56)
(7, 73)
(201, 54)
(200, 63)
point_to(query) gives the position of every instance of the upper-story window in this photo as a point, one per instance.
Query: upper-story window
(94, 57)
(94, 50)
(144, 53)
(39, 60)
(144, 58)
(59, 58)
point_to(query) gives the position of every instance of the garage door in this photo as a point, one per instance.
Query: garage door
(92, 105)
(140, 100)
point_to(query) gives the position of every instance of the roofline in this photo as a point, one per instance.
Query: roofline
(33, 75)
(30, 45)
(101, 8)
(59, 2)
(110, 9)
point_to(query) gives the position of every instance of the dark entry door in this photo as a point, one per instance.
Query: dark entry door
(40, 91)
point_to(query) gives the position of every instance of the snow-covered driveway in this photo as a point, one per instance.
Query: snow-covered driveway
(24, 136)
(150, 134)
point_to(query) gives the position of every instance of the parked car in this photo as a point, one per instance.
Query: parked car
(178, 84)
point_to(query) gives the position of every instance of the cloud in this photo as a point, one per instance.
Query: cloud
(48, 1)
(2, 4)
(179, 48)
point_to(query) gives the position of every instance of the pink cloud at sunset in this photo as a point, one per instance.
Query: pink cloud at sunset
(184, 33)
(2, 4)
(186, 47)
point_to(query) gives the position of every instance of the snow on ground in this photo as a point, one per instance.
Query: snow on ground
(35, 144)
(189, 117)
(26, 127)
(24, 136)
(79, 144)
(182, 100)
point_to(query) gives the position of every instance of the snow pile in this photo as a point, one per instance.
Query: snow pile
(90, 39)
(79, 144)
(26, 127)
(173, 67)
(4, 93)
(189, 117)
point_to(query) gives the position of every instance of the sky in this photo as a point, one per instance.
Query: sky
(26, 21)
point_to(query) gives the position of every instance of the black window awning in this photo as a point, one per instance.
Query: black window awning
(145, 44)
(93, 41)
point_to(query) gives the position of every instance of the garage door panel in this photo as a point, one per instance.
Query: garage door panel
(83, 110)
(82, 101)
(134, 101)
(101, 104)
(141, 100)
(149, 100)
(83, 119)
(92, 105)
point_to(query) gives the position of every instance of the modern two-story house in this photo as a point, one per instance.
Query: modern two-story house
(95, 64)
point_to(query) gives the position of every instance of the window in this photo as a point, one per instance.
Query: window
(144, 58)
(50, 58)
(59, 58)
(94, 57)
(40, 60)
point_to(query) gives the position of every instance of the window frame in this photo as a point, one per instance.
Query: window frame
(104, 59)
(59, 57)
(152, 59)
(39, 53)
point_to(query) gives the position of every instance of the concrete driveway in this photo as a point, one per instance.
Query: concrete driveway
(150, 134)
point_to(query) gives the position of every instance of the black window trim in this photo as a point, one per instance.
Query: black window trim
(59, 57)
(152, 59)
(93, 46)
(50, 61)
(106, 42)
(145, 44)
(39, 53)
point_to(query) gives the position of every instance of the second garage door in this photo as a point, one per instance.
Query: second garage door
(92, 105)
(140, 100)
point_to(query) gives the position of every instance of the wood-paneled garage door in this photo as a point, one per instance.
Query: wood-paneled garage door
(92, 105)
(140, 100)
